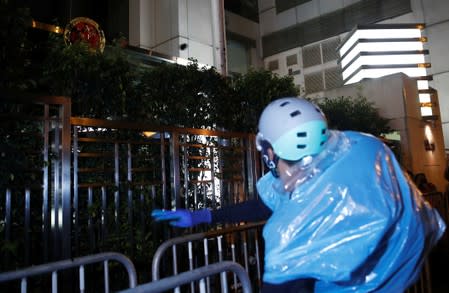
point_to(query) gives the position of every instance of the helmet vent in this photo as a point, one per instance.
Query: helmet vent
(295, 113)
(323, 131)
(301, 146)
(285, 103)
(301, 134)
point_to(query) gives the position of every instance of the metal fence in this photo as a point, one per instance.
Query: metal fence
(39, 272)
(239, 244)
(198, 274)
(76, 186)
(19, 280)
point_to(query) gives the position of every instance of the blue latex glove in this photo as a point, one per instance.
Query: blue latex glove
(183, 218)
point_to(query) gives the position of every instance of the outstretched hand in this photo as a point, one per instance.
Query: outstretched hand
(183, 218)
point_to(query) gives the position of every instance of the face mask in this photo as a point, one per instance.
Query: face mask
(293, 174)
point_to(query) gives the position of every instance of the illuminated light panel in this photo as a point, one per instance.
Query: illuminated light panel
(379, 33)
(423, 84)
(373, 51)
(424, 98)
(381, 46)
(426, 111)
(379, 72)
(381, 59)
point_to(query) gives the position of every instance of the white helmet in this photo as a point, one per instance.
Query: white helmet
(293, 127)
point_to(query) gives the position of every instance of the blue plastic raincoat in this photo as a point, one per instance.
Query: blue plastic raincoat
(355, 223)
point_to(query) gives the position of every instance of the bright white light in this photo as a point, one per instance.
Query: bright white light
(426, 111)
(379, 72)
(424, 98)
(185, 62)
(380, 47)
(357, 53)
(428, 133)
(382, 59)
(379, 34)
(423, 84)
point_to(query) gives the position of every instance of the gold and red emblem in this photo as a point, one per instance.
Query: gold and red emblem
(83, 29)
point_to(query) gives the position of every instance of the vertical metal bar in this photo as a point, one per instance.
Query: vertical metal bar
(56, 194)
(195, 196)
(130, 198)
(27, 225)
(90, 226)
(104, 207)
(106, 276)
(23, 285)
(202, 286)
(76, 211)
(212, 177)
(174, 145)
(245, 250)
(234, 260)
(82, 284)
(54, 282)
(175, 263)
(185, 167)
(223, 279)
(8, 211)
(163, 171)
(142, 208)
(153, 194)
(192, 284)
(256, 235)
(117, 187)
(254, 165)
(206, 261)
(203, 186)
(46, 217)
(66, 112)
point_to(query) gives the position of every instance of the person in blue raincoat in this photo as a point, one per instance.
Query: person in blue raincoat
(342, 216)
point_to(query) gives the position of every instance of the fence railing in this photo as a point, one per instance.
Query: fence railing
(239, 244)
(198, 274)
(54, 268)
(75, 186)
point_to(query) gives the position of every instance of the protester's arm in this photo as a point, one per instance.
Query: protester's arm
(252, 210)
(247, 211)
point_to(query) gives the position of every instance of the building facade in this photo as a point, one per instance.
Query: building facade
(300, 38)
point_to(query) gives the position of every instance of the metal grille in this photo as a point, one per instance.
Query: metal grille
(292, 59)
(94, 180)
(273, 65)
(329, 48)
(332, 24)
(333, 78)
(311, 55)
(313, 82)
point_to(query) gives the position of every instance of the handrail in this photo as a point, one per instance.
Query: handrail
(157, 257)
(72, 263)
(194, 275)
(126, 124)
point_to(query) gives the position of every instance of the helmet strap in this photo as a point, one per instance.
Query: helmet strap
(271, 163)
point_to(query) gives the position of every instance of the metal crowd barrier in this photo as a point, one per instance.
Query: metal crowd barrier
(240, 244)
(197, 274)
(54, 267)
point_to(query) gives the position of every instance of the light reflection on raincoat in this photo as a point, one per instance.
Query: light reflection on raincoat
(355, 222)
